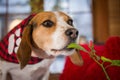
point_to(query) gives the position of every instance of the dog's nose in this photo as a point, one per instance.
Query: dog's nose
(72, 33)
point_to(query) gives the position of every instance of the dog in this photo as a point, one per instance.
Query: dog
(46, 36)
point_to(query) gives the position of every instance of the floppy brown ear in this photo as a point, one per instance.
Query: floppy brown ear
(24, 50)
(76, 58)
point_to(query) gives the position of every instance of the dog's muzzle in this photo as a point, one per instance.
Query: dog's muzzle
(72, 34)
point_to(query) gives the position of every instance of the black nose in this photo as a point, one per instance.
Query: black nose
(72, 33)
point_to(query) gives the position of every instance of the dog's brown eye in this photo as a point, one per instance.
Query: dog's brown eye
(48, 23)
(70, 22)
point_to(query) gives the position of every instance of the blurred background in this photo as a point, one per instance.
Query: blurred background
(96, 20)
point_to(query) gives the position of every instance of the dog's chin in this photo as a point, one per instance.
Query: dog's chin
(62, 51)
(57, 52)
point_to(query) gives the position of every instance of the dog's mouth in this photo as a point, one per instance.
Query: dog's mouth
(63, 49)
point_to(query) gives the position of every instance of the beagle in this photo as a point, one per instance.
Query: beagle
(46, 36)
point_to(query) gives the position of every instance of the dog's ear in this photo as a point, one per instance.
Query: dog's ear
(76, 58)
(24, 50)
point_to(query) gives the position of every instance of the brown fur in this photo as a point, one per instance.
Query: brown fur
(41, 31)
(76, 58)
(24, 51)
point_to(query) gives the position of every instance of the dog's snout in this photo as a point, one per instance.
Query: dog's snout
(72, 33)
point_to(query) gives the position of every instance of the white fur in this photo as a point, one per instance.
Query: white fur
(59, 34)
(30, 72)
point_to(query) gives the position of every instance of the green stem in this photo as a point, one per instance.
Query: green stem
(101, 65)
(105, 72)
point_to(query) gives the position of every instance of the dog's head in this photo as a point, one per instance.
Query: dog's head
(48, 34)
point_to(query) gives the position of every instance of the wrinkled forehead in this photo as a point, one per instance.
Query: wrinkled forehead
(54, 16)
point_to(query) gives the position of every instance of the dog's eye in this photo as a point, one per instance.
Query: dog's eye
(70, 22)
(48, 23)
